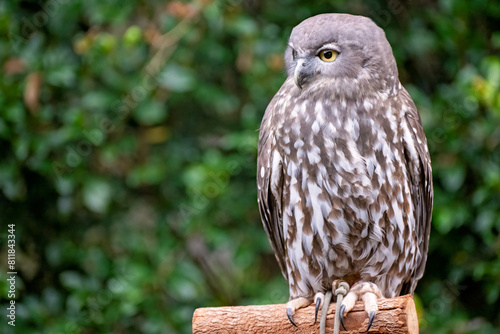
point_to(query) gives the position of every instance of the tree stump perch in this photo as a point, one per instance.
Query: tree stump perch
(396, 315)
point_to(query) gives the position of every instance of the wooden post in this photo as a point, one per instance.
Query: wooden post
(396, 315)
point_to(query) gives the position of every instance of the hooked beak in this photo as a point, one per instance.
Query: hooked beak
(300, 74)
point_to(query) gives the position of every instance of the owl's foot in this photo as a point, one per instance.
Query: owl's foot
(369, 293)
(294, 305)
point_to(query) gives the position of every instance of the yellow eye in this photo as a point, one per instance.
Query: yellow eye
(328, 55)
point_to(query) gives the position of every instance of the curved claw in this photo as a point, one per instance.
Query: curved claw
(318, 303)
(342, 310)
(290, 317)
(370, 320)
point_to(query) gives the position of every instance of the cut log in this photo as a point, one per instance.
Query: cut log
(396, 315)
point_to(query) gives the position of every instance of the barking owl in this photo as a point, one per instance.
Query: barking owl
(343, 172)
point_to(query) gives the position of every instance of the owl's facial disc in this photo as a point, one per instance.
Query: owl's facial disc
(311, 63)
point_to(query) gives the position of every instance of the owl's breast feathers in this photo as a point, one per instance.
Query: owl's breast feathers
(340, 187)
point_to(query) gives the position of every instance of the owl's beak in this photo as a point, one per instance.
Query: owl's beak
(300, 73)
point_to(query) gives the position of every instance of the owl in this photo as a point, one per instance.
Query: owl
(343, 171)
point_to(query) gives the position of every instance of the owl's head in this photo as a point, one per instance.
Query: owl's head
(340, 52)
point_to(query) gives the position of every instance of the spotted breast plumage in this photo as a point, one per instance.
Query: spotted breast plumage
(343, 172)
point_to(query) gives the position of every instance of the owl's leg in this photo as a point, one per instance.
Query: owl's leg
(369, 293)
(324, 311)
(323, 301)
(294, 305)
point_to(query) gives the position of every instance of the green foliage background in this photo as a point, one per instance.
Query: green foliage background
(128, 138)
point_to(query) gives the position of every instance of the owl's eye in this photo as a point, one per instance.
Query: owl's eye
(294, 54)
(328, 55)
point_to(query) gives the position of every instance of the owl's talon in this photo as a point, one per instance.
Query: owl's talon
(318, 303)
(370, 321)
(319, 297)
(369, 293)
(290, 316)
(342, 310)
(295, 304)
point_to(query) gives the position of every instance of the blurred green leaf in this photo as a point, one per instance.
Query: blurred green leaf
(150, 112)
(71, 280)
(177, 78)
(97, 195)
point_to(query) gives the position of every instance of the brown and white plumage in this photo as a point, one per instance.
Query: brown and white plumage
(343, 172)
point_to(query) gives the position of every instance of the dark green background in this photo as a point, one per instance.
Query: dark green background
(128, 138)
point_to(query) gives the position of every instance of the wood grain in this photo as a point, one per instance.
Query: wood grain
(396, 315)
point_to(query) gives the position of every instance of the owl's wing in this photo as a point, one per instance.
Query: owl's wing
(270, 178)
(418, 165)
